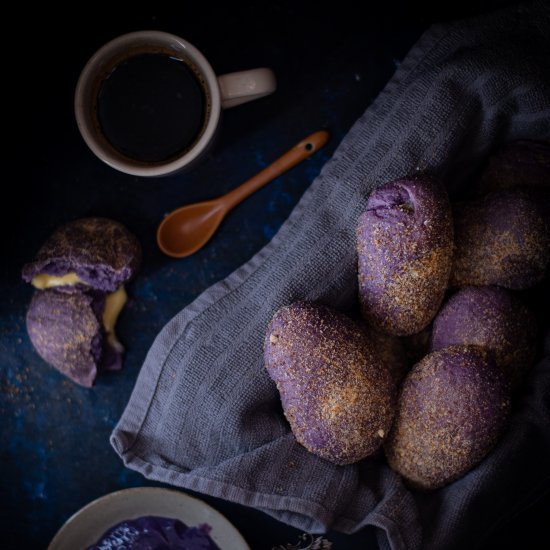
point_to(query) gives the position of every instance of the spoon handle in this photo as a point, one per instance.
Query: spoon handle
(291, 158)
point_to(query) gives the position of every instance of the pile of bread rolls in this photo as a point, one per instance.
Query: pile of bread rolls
(440, 277)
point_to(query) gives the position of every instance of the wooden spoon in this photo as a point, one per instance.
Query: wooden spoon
(190, 227)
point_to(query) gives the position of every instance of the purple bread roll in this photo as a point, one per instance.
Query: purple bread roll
(101, 252)
(404, 245)
(521, 162)
(501, 239)
(452, 408)
(67, 332)
(336, 394)
(490, 317)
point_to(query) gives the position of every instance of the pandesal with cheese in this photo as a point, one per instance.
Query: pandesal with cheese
(79, 274)
(452, 407)
(502, 238)
(493, 318)
(74, 332)
(336, 392)
(404, 248)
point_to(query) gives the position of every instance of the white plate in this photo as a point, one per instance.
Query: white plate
(88, 524)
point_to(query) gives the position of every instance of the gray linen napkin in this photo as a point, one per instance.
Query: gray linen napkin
(204, 415)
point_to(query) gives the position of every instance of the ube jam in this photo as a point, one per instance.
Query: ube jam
(155, 533)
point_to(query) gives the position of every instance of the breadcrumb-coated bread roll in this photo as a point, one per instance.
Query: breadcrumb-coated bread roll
(337, 394)
(493, 318)
(502, 239)
(453, 405)
(404, 246)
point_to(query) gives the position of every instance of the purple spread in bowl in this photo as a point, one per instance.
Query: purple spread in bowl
(155, 533)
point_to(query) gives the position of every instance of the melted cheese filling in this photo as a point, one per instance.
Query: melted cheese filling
(44, 280)
(114, 302)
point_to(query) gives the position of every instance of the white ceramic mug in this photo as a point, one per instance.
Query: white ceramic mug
(221, 92)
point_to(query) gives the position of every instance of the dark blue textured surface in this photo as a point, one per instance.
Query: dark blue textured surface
(55, 453)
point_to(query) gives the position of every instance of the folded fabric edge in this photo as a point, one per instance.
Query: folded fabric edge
(297, 512)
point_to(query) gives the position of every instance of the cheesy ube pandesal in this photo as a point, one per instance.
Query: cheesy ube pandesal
(493, 318)
(502, 238)
(452, 408)
(404, 248)
(337, 394)
(74, 332)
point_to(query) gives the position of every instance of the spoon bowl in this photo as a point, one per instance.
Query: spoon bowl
(189, 228)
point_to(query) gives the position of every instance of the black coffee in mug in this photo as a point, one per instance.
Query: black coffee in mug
(152, 106)
(148, 103)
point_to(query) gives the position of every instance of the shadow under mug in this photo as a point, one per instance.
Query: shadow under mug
(221, 92)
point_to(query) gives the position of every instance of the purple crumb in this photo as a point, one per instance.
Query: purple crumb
(502, 239)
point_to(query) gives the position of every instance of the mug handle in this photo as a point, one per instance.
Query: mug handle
(243, 86)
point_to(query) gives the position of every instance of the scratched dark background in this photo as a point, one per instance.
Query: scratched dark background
(330, 64)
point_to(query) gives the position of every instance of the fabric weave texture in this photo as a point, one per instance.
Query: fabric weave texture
(204, 414)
